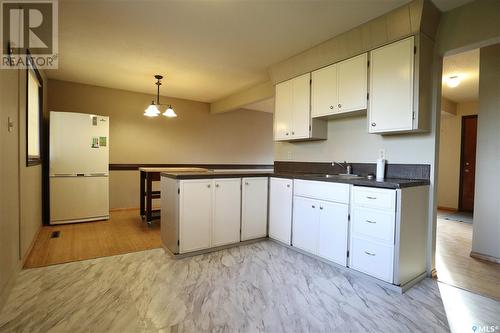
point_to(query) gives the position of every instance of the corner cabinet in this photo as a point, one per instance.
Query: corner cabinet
(341, 88)
(400, 79)
(292, 117)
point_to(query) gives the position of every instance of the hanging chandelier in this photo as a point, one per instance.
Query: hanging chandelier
(153, 110)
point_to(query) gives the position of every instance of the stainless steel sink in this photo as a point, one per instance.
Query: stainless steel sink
(340, 176)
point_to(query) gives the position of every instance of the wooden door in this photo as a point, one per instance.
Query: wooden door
(301, 106)
(391, 87)
(324, 98)
(305, 224)
(280, 209)
(468, 163)
(352, 84)
(254, 208)
(195, 214)
(227, 211)
(333, 223)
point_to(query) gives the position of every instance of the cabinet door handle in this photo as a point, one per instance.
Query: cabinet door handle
(208, 185)
(293, 132)
(371, 198)
(370, 254)
(340, 105)
(372, 222)
(374, 124)
(320, 207)
(246, 183)
(216, 185)
(331, 107)
(287, 185)
(313, 206)
(286, 133)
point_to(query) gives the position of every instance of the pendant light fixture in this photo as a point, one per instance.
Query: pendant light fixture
(153, 110)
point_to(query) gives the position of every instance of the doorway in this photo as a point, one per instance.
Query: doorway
(456, 179)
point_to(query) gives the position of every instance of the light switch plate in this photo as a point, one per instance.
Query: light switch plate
(10, 124)
(381, 153)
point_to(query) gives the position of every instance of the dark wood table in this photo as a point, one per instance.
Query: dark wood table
(146, 193)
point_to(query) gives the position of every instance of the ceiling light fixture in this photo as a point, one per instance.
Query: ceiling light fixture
(453, 81)
(153, 110)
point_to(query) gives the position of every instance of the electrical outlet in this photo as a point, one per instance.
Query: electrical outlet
(289, 155)
(381, 153)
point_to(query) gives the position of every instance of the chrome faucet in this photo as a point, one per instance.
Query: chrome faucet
(346, 166)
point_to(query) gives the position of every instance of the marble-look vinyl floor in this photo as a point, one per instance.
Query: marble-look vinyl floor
(252, 288)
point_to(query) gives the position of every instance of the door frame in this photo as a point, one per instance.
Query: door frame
(462, 136)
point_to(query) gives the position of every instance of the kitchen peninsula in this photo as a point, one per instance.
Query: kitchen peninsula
(376, 228)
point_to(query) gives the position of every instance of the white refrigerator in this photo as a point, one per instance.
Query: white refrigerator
(79, 162)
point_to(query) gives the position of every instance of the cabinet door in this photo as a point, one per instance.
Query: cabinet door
(391, 88)
(301, 106)
(195, 214)
(283, 111)
(305, 224)
(352, 84)
(254, 208)
(333, 221)
(227, 211)
(324, 97)
(280, 209)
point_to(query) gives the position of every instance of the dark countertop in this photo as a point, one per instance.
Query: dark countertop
(391, 183)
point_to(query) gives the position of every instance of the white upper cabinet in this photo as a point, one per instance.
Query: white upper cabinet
(292, 116)
(340, 88)
(283, 111)
(397, 88)
(324, 91)
(353, 84)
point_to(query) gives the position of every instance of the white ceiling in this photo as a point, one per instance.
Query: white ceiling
(206, 49)
(466, 66)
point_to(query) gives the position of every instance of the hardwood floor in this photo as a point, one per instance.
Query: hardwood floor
(123, 233)
(456, 267)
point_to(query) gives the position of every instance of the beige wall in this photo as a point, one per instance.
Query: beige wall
(449, 156)
(20, 195)
(486, 233)
(195, 136)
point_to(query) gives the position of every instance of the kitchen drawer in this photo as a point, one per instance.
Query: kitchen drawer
(333, 192)
(376, 224)
(374, 198)
(372, 258)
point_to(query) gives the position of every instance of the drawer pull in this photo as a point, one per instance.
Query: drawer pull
(372, 222)
(370, 254)
(371, 198)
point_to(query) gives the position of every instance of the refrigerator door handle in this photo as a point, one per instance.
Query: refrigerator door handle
(102, 174)
(55, 175)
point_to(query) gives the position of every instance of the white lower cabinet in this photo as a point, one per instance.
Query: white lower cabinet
(254, 208)
(372, 258)
(280, 209)
(333, 224)
(195, 215)
(320, 226)
(305, 224)
(209, 213)
(227, 210)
